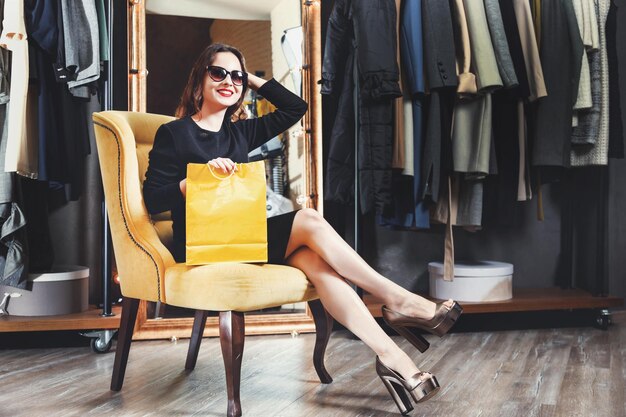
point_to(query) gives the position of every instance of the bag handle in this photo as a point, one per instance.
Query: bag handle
(217, 176)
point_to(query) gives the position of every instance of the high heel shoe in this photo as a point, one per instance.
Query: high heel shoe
(421, 386)
(439, 325)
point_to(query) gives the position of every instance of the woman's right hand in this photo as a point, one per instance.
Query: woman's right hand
(225, 164)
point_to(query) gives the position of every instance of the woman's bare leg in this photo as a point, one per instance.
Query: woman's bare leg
(310, 229)
(347, 308)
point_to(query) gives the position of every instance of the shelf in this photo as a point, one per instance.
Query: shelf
(87, 320)
(527, 299)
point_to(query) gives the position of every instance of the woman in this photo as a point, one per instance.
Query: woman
(206, 133)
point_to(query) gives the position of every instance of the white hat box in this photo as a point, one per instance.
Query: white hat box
(474, 281)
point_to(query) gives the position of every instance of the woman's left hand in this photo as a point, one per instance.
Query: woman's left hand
(225, 164)
(255, 82)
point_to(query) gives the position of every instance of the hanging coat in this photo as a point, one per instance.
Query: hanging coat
(441, 82)
(360, 64)
(596, 154)
(561, 54)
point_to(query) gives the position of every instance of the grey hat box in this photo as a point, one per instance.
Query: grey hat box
(62, 290)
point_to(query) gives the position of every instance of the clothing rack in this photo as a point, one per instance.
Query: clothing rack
(562, 296)
(108, 320)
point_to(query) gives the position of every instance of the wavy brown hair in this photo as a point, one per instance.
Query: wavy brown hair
(191, 100)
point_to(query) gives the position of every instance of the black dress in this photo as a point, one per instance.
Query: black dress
(182, 141)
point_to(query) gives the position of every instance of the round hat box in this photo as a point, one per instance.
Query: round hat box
(474, 281)
(62, 290)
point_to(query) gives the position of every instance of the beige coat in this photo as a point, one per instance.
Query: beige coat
(467, 80)
(21, 148)
(530, 49)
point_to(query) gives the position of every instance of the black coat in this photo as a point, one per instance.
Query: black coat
(441, 80)
(561, 58)
(360, 65)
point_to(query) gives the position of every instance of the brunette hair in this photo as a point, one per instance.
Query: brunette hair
(191, 100)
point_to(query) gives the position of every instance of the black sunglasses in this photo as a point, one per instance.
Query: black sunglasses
(218, 74)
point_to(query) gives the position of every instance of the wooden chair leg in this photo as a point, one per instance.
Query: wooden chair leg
(232, 333)
(196, 338)
(124, 337)
(323, 327)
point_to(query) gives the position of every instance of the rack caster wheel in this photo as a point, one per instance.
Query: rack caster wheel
(603, 320)
(98, 345)
(101, 340)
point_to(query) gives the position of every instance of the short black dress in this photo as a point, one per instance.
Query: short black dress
(278, 233)
(182, 141)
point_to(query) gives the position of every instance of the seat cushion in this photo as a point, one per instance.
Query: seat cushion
(236, 286)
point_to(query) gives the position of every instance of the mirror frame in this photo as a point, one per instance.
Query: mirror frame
(164, 328)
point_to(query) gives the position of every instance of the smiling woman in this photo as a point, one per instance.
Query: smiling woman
(224, 77)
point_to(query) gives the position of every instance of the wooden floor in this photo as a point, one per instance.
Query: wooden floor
(549, 372)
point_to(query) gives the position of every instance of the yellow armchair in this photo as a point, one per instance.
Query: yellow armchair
(148, 271)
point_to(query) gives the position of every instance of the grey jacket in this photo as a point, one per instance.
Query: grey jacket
(500, 44)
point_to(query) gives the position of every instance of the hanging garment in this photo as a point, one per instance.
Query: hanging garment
(535, 8)
(82, 44)
(441, 83)
(587, 126)
(583, 8)
(509, 130)
(483, 55)
(530, 49)
(41, 26)
(501, 191)
(21, 154)
(369, 85)
(467, 79)
(412, 54)
(103, 32)
(472, 135)
(409, 149)
(616, 46)
(13, 253)
(61, 72)
(500, 44)
(465, 205)
(561, 54)
(596, 154)
(4, 67)
(399, 134)
(515, 47)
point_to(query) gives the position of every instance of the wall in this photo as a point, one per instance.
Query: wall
(251, 37)
(172, 45)
(285, 15)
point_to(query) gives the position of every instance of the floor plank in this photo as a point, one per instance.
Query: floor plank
(564, 372)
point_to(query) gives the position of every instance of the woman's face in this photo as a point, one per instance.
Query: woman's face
(225, 93)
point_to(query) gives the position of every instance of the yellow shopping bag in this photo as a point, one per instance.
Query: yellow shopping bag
(226, 219)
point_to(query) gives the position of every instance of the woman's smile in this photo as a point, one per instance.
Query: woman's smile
(225, 92)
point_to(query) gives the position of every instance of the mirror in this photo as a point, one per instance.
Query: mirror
(274, 38)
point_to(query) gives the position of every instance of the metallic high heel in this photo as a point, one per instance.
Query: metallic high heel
(439, 325)
(421, 386)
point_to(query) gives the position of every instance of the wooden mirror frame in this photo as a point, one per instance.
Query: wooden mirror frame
(164, 328)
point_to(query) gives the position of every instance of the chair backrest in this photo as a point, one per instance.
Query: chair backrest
(124, 140)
